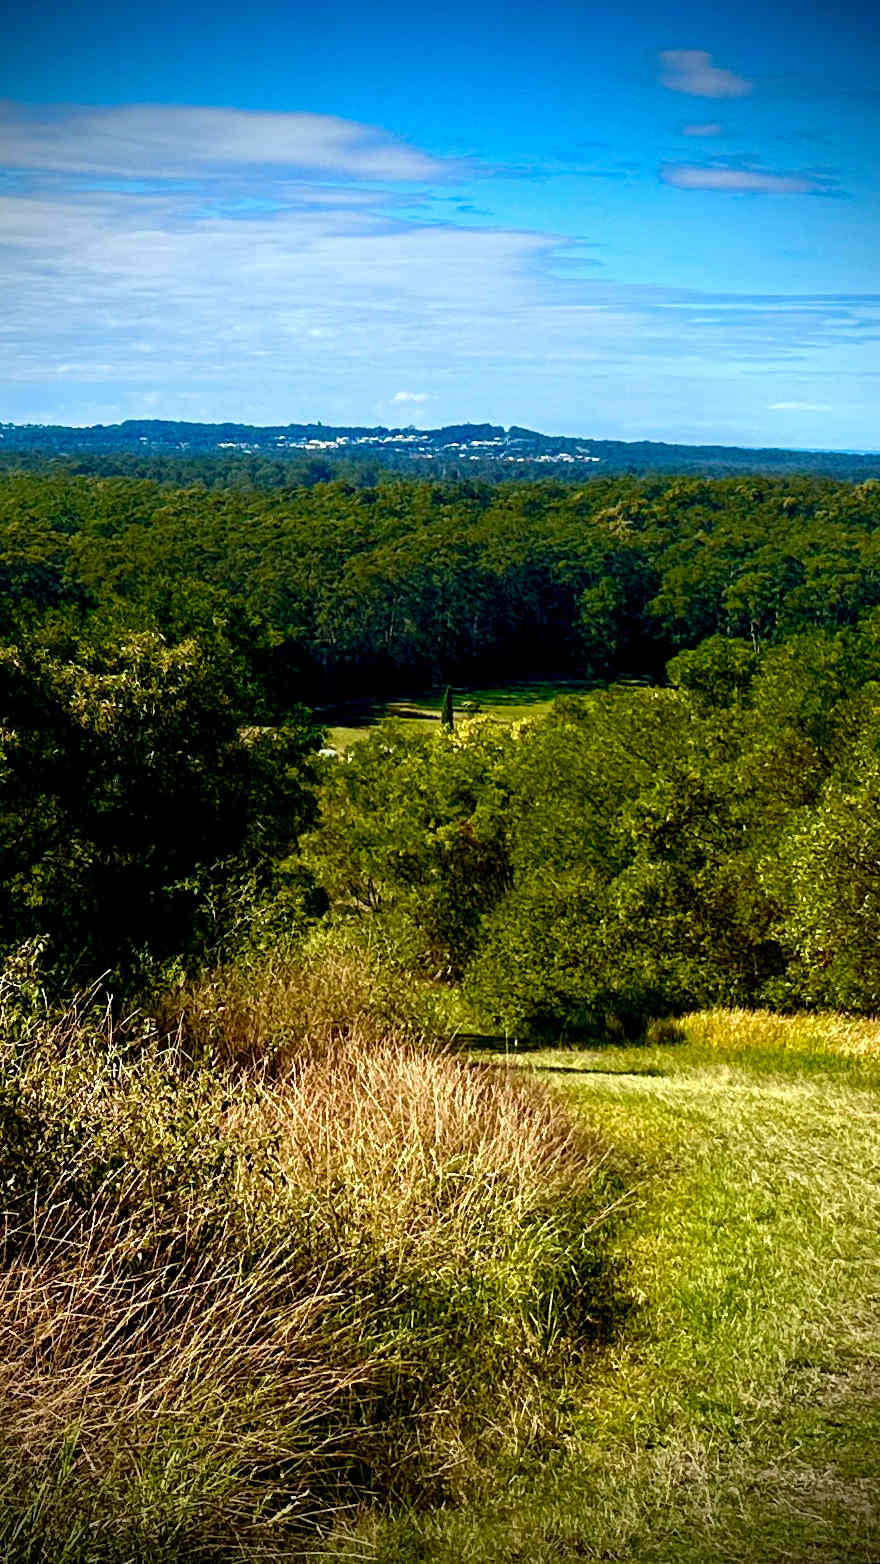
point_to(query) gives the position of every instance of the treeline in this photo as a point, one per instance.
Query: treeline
(636, 853)
(711, 835)
(331, 590)
(227, 448)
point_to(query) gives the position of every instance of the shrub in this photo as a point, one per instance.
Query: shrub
(287, 1002)
(234, 1301)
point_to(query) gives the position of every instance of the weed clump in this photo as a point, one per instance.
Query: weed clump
(236, 1301)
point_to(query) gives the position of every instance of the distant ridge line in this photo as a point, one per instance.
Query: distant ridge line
(493, 444)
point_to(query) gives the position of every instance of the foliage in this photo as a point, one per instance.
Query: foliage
(636, 851)
(133, 803)
(331, 588)
(833, 923)
(413, 833)
(271, 1254)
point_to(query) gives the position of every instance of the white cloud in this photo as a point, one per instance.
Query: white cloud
(297, 295)
(692, 71)
(139, 292)
(162, 142)
(710, 129)
(696, 176)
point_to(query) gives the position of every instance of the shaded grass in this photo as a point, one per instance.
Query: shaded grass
(738, 1419)
(505, 703)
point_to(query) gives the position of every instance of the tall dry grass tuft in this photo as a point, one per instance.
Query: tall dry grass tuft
(232, 1301)
(292, 1002)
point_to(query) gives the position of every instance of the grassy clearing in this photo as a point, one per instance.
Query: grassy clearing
(738, 1418)
(238, 1299)
(284, 1269)
(504, 703)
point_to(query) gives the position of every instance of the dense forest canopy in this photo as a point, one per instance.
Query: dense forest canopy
(639, 851)
(332, 589)
(703, 826)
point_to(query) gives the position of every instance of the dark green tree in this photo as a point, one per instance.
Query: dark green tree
(132, 799)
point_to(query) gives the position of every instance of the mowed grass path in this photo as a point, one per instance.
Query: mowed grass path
(737, 1417)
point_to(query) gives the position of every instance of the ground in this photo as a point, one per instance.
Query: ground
(736, 1416)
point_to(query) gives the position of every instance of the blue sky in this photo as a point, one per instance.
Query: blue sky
(633, 221)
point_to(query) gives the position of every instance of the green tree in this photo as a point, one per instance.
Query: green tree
(131, 797)
(412, 835)
(832, 925)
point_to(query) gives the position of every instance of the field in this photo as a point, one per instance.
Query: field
(737, 1415)
(505, 703)
(293, 1284)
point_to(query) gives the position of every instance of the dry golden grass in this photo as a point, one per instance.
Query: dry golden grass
(233, 1300)
(290, 1004)
(424, 1144)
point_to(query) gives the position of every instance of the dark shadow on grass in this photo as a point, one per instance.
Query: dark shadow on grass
(592, 1069)
(599, 1033)
(500, 1043)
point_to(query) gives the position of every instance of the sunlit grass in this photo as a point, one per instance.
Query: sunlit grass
(741, 1042)
(287, 1269)
(738, 1418)
(502, 703)
(822, 1036)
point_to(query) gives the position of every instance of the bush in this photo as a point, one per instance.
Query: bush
(273, 1007)
(233, 1302)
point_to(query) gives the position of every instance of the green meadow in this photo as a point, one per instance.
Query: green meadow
(736, 1414)
(294, 1283)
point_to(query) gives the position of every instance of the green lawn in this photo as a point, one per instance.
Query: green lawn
(737, 1415)
(504, 703)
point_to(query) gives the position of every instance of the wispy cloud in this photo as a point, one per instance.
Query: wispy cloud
(692, 71)
(710, 176)
(161, 142)
(710, 129)
(319, 291)
(142, 289)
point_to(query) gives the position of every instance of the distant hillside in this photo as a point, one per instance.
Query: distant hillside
(474, 446)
